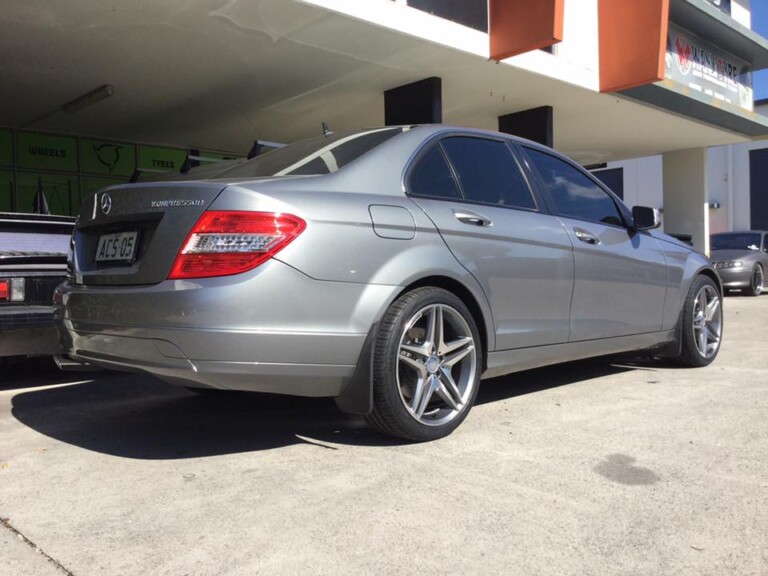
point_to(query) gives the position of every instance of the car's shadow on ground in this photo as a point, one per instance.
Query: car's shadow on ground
(532, 381)
(17, 374)
(135, 416)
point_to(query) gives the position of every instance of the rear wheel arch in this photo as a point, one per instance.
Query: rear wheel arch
(426, 365)
(465, 295)
(357, 396)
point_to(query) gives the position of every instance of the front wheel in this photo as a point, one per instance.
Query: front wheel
(702, 323)
(755, 287)
(427, 366)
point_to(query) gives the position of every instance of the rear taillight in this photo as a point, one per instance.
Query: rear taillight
(230, 242)
(12, 289)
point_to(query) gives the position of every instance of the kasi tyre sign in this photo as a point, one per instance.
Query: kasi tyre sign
(704, 68)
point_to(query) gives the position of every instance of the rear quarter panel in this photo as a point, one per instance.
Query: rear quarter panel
(340, 244)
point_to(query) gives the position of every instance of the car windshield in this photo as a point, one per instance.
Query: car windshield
(735, 241)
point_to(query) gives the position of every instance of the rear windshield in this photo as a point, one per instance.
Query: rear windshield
(319, 155)
(735, 241)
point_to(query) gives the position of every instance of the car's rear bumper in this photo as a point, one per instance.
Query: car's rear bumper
(276, 331)
(321, 364)
(28, 331)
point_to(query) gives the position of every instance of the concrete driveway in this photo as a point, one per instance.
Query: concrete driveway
(588, 468)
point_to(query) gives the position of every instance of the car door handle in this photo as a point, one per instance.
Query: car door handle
(468, 217)
(585, 236)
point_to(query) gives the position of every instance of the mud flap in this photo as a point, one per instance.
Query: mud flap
(357, 396)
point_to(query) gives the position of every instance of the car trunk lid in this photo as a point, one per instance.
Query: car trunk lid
(131, 234)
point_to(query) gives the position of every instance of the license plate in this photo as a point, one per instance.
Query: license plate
(117, 247)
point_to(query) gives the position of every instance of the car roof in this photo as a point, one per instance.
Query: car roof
(436, 129)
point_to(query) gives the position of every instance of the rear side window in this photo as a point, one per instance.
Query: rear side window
(432, 177)
(355, 147)
(488, 172)
(572, 193)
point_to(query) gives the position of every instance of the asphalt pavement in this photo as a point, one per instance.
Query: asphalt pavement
(604, 467)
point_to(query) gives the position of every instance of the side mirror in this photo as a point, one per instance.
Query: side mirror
(645, 218)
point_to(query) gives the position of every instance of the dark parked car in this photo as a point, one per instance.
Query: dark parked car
(390, 269)
(741, 259)
(33, 261)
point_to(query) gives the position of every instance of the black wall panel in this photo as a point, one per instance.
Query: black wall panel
(758, 188)
(472, 13)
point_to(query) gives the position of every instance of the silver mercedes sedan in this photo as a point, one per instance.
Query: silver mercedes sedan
(391, 269)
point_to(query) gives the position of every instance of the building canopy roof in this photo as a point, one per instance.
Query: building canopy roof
(220, 75)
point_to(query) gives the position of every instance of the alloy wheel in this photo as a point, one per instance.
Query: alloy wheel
(437, 363)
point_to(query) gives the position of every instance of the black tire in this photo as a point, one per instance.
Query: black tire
(755, 287)
(448, 366)
(701, 323)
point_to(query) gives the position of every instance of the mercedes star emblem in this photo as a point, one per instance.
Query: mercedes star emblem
(106, 203)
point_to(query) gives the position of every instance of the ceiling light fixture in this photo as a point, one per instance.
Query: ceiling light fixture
(81, 102)
(89, 99)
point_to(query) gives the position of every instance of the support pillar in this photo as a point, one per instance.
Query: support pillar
(686, 194)
(535, 124)
(416, 103)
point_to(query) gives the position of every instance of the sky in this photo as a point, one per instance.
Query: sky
(760, 25)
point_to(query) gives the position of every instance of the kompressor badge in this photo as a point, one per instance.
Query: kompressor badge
(175, 203)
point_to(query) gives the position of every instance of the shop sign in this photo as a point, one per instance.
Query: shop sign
(154, 159)
(107, 158)
(46, 152)
(6, 148)
(724, 5)
(700, 66)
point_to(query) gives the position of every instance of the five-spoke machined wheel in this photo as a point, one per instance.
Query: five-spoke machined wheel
(427, 365)
(702, 323)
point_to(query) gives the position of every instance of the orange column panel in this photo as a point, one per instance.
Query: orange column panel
(633, 42)
(518, 26)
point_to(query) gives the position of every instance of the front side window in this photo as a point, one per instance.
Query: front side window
(488, 172)
(572, 193)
